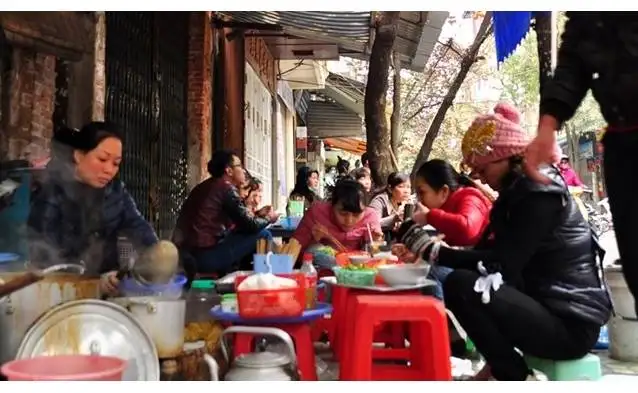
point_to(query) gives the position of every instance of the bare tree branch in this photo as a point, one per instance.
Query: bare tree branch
(468, 60)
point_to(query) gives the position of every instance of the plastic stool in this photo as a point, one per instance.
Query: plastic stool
(587, 368)
(394, 336)
(429, 352)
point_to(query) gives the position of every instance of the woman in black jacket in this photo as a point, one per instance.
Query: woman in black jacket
(551, 303)
(80, 207)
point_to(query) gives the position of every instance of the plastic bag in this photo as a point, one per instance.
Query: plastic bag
(261, 281)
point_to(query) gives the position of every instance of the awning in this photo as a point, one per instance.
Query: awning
(347, 92)
(352, 145)
(418, 32)
(65, 34)
(510, 28)
(329, 119)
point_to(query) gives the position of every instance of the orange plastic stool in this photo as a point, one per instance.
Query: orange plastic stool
(429, 351)
(301, 335)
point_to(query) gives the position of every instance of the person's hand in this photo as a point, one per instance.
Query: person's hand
(377, 235)
(420, 216)
(542, 150)
(264, 211)
(398, 215)
(403, 253)
(273, 216)
(318, 233)
(109, 283)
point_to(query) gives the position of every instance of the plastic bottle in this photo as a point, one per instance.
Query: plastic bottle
(308, 270)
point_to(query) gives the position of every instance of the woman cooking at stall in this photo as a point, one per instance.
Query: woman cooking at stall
(79, 208)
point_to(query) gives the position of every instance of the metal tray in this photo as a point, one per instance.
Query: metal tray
(381, 288)
(94, 327)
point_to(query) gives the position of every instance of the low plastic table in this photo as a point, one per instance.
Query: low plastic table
(297, 327)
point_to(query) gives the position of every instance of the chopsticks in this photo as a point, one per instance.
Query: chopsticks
(330, 237)
(292, 248)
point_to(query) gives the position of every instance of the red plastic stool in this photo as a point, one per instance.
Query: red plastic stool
(304, 349)
(387, 333)
(429, 351)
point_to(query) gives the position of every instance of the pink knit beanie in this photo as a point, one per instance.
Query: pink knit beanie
(493, 137)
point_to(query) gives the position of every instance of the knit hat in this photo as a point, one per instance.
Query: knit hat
(493, 137)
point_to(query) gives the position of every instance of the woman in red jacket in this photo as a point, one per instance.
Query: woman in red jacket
(453, 205)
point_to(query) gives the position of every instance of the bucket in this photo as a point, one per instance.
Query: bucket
(621, 296)
(65, 368)
(623, 339)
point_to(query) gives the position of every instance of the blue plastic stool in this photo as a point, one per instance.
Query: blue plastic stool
(587, 368)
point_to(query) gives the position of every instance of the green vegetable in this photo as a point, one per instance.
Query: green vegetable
(357, 267)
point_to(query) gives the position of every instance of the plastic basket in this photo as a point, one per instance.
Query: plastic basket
(355, 277)
(130, 287)
(269, 303)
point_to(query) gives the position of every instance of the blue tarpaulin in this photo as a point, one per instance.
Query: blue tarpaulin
(510, 27)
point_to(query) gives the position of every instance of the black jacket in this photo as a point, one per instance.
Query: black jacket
(540, 242)
(69, 222)
(212, 210)
(599, 51)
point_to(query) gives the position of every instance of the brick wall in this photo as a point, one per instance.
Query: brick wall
(200, 51)
(259, 57)
(31, 93)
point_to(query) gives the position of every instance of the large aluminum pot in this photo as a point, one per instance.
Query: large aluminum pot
(163, 319)
(21, 309)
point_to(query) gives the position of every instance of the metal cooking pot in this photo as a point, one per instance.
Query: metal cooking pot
(258, 366)
(163, 318)
(19, 310)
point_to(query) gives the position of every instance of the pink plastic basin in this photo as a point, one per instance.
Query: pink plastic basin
(65, 368)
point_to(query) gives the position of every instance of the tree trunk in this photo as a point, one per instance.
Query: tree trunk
(377, 132)
(395, 119)
(543, 28)
(573, 146)
(469, 58)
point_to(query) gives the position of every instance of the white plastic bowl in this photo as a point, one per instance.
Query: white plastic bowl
(404, 275)
(359, 259)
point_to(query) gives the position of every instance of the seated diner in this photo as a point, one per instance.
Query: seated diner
(532, 282)
(214, 226)
(79, 208)
(363, 176)
(453, 205)
(252, 193)
(390, 201)
(341, 222)
(305, 188)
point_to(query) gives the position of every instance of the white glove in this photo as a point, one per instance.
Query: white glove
(487, 282)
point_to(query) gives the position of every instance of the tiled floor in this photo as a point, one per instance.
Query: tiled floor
(329, 370)
(611, 366)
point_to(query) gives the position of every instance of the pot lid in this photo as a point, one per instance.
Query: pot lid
(93, 327)
(262, 360)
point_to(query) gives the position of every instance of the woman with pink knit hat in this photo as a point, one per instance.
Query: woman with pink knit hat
(532, 282)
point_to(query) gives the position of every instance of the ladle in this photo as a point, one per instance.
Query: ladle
(34, 276)
(157, 265)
